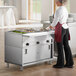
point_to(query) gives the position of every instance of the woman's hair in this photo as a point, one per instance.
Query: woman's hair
(62, 1)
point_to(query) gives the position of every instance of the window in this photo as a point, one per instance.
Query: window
(34, 9)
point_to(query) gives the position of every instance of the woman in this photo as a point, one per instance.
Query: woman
(62, 35)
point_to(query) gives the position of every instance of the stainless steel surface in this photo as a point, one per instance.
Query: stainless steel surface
(72, 42)
(35, 53)
(13, 39)
(29, 48)
(13, 55)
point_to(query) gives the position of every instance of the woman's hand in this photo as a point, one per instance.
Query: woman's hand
(48, 28)
(52, 27)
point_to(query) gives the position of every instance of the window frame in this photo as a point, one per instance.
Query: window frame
(29, 10)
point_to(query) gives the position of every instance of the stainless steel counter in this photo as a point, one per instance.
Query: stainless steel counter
(30, 48)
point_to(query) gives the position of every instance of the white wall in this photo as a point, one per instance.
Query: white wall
(23, 9)
(46, 10)
(11, 2)
(73, 6)
(18, 4)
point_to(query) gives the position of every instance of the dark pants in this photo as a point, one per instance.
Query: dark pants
(64, 44)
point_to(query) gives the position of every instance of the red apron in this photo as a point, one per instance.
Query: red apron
(58, 33)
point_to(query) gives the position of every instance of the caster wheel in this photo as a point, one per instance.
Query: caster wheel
(21, 68)
(49, 62)
(7, 65)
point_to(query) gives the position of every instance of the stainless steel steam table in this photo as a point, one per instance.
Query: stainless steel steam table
(28, 48)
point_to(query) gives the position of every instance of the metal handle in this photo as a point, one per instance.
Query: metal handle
(51, 50)
(25, 51)
(49, 46)
(52, 41)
